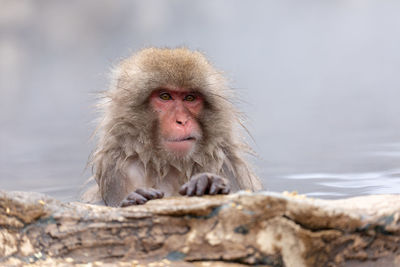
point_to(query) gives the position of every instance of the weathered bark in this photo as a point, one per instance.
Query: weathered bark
(245, 228)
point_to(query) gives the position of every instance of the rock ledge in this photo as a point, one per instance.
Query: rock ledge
(266, 229)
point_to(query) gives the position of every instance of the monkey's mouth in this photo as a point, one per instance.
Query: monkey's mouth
(180, 146)
(189, 138)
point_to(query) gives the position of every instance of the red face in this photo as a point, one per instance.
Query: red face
(177, 111)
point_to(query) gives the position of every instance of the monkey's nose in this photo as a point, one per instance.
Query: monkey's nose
(181, 122)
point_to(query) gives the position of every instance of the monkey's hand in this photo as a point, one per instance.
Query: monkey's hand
(205, 184)
(141, 196)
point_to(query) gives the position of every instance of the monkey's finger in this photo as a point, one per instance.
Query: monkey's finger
(183, 189)
(127, 203)
(191, 190)
(148, 194)
(137, 198)
(202, 185)
(131, 202)
(225, 190)
(215, 187)
(158, 193)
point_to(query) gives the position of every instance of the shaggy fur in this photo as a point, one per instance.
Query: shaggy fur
(129, 129)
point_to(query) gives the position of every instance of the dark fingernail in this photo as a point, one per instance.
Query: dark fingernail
(225, 191)
(190, 191)
(213, 189)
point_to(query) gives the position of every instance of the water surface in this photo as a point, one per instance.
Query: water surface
(319, 82)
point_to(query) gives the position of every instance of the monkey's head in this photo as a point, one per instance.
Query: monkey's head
(171, 102)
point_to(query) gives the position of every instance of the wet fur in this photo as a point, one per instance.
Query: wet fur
(129, 129)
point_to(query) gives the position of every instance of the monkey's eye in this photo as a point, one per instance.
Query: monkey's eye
(165, 96)
(190, 98)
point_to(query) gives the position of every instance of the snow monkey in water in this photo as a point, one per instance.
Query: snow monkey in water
(169, 127)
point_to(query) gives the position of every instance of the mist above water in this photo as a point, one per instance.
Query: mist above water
(318, 80)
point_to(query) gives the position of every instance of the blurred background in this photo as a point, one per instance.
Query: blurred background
(318, 80)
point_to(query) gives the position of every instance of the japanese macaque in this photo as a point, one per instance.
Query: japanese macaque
(169, 128)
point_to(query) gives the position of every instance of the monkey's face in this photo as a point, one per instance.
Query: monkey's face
(177, 111)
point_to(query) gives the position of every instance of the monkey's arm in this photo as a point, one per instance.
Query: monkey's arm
(113, 187)
(205, 184)
(119, 195)
(124, 185)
